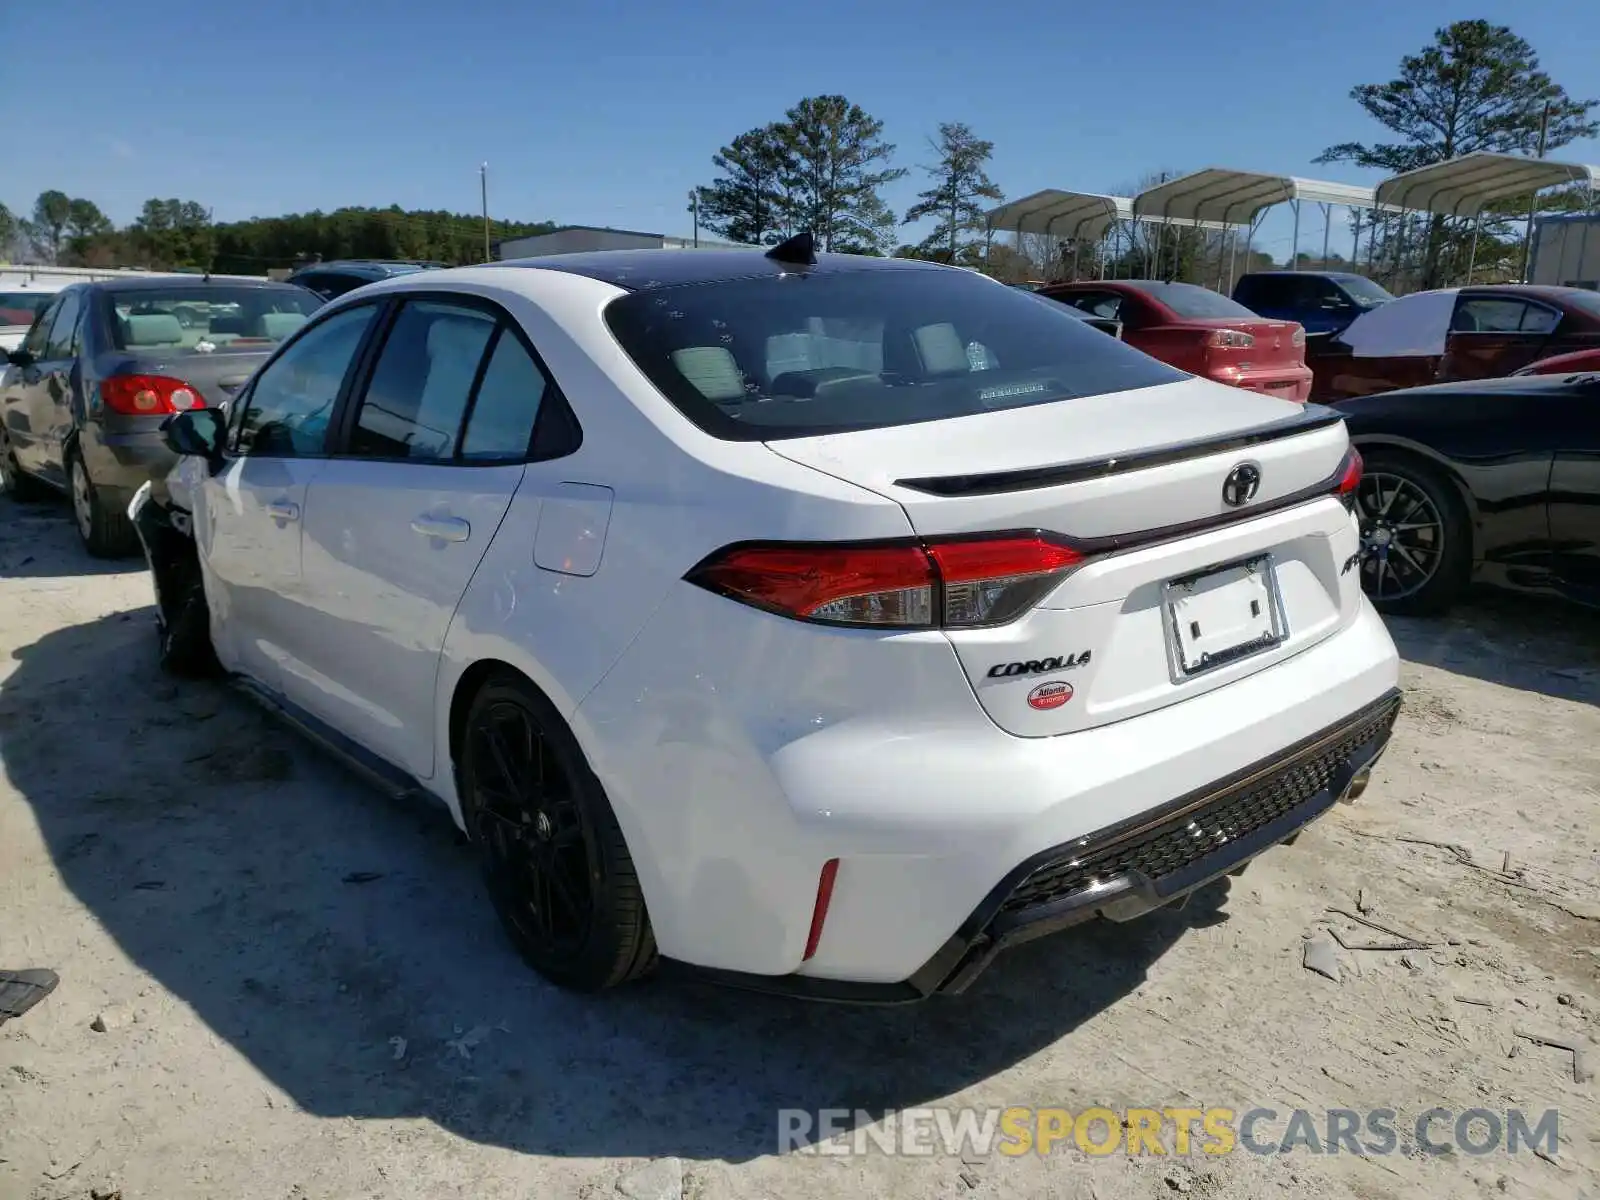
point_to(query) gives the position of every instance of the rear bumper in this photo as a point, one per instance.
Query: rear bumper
(119, 462)
(1132, 868)
(731, 810)
(1290, 384)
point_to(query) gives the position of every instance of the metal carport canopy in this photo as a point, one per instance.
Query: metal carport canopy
(1230, 197)
(1075, 215)
(1463, 187)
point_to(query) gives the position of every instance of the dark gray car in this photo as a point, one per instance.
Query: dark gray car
(83, 399)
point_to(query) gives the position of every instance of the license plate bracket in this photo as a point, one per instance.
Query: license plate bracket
(1223, 614)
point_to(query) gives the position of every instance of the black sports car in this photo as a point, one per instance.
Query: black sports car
(1495, 480)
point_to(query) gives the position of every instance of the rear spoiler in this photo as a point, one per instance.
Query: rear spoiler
(1312, 416)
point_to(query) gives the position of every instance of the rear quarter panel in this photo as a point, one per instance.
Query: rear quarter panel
(1486, 445)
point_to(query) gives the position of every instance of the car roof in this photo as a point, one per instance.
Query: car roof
(157, 283)
(378, 268)
(1548, 291)
(1303, 274)
(648, 270)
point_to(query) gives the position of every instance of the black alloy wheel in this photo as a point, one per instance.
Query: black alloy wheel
(1415, 537)
(554, 858)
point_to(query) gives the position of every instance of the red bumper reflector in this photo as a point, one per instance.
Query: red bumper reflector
(819, 914)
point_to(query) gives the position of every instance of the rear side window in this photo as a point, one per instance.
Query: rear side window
(800, 354)
(506, 406)
(1257, 290)
(1092, 304)
(1488, 314)
(414, 407)
(1187, 300)
(63, 340)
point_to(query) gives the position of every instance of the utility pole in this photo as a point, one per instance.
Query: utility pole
(483, 179)
(1533, 203)
(694, 207)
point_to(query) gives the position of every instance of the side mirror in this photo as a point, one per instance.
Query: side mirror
(197, 431)
(18, 357)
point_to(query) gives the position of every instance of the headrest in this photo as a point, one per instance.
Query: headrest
(711, 371)
(152, 329)
(278, 326)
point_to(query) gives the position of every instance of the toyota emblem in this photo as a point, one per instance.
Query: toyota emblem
(1241, 485)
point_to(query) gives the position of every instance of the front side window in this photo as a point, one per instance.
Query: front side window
(416, 402)
(63, 340)
(801, 354)
(287, 411)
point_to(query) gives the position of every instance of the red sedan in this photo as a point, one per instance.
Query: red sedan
(1563, 364)
(1453, 334)
(1199, 331)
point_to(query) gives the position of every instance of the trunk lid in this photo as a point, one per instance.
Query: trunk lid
(216, 375)
(1136, 481)
(1274, 346)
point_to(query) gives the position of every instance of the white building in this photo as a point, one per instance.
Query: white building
(577, 239)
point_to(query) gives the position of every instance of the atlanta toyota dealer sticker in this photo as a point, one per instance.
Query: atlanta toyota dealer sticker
(1050, 695)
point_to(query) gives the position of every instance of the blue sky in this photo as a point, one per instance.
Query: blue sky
(607, 111)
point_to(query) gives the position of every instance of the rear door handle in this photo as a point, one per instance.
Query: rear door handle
(283, 510)
(448, 529)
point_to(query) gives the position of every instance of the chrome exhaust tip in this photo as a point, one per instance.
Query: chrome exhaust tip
(1357, 786)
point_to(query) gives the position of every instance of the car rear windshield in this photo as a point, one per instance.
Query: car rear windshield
(19, 308)
(802, 354)
(204, 317)
(1187, 300)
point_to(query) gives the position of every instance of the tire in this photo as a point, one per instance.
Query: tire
(14, 482)
(1407, 570)
(538, 817)
(106, 533)
(183, 628)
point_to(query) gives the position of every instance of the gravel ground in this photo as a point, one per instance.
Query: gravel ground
(277, 984)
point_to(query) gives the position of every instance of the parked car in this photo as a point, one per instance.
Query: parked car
(1199, 331)
(735, 614)
(1563, 364)
(1321, 302)
(20, 302)
(1453, 334)
(1490, 480)
(106, 362)
(330, 279)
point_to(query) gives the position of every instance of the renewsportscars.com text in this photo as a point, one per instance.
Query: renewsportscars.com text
(1178, 1131)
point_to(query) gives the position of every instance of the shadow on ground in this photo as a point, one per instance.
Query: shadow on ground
(1533, 643)
(224, 858)
(37, 541)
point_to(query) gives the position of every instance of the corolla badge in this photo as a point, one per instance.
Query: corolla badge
(1241, 485)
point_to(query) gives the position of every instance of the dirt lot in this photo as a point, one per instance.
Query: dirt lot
(304, 993)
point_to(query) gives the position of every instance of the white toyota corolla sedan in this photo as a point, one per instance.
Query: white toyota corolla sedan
(823, 623)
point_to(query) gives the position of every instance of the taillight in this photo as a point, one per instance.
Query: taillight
(1349, 478)
(148, 395)
(1298, 337)
(956, 583)
(1229, 339)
